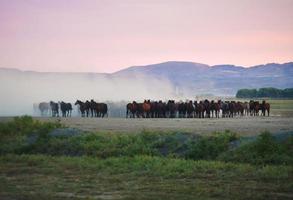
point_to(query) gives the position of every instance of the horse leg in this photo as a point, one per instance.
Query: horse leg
(268, 112)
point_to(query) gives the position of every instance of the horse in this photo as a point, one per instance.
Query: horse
(103, 110)
(240, 108)
(154, 109)
(93, 106)
(182, 109)
(128, 110)
(131, 109)
(146, 109)
(256, 108)
(232, 108)
(55, 109)
(200, 108)
(215, 107)
(161, 109)
(246, 108)
(195, 109)
(265, 107)
(66, 109)
(251, 107)
(225, 108)
(44, 108)
(190, 109)
(171, 108)
(82, 107)
(207, 108)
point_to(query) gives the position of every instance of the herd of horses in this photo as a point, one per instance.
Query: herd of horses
(196, 109)
(160, 109)
(86, 109)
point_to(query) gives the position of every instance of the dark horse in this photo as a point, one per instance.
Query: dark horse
(199, 109)
(131, 109)
(83, 107)
(171, 108)
(265, 107)
(55, 109)
(66, 109)
(215, 107)
(102, 110)
(207, 107)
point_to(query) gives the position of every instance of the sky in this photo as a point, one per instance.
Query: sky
(109, 35)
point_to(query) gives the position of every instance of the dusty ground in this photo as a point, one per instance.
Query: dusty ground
(242, 125)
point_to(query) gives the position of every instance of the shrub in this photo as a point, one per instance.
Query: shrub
(264, 150)
(14, 134)
(209, 147)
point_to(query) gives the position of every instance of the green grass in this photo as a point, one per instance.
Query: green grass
(281, 104)
(146, 165)
(35, 140)
(139, 177)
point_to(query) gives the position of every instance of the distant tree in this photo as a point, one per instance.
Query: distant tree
(269, 92)
(246, 93)
(288, 93)
(265, 92)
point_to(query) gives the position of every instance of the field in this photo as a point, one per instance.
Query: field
(46, 177)
(118, 158)
(244, 126)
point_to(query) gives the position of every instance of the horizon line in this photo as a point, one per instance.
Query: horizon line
(146, 65)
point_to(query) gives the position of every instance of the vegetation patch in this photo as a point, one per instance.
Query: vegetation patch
(146, 165)
(26, 136)
(143, 177)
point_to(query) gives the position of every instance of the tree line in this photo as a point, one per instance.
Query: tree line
(265, 92)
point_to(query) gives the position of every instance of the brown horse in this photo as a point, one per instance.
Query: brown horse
(146, 107)
(265, 107)
(246, 108)
(200, 108)
(240, 108)
(215, 107)
(256, 108)
(131, 109)
(190, 109)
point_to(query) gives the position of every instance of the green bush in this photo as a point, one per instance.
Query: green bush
(25, 125)
(265, 150)
(210, 147)
(14, 134)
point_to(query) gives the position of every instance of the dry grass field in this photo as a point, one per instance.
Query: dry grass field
(241, 125)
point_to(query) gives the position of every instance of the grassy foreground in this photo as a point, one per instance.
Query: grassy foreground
(38, 163)
(139, 177)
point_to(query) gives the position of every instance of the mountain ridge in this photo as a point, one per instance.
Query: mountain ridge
(164, 63)
(187, 78)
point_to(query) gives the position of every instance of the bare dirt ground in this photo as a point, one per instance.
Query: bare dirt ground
(241, 125)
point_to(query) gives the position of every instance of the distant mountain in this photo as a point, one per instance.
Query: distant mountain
(219, 79)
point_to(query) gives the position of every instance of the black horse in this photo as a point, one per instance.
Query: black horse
(103, 110)
(55, 109)
(83, 107)
(66, 109)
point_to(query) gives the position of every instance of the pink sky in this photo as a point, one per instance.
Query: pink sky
(108, 35)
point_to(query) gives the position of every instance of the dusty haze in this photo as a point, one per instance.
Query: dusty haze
(19, 90)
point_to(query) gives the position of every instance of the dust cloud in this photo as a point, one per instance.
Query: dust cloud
(21, 90)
